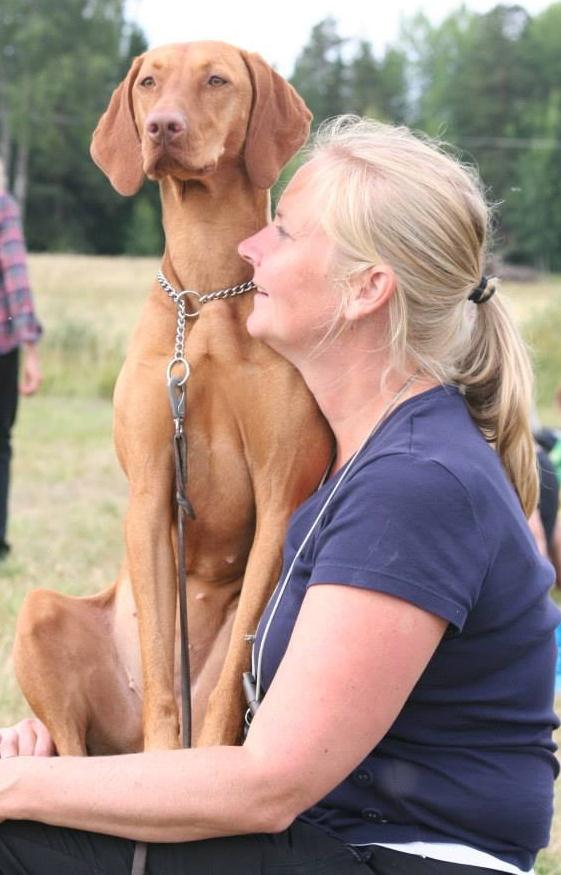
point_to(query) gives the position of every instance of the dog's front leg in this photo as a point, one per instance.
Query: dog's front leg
(223, 721)
(152, 568)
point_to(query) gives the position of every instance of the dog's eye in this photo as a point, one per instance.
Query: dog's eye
(147, 82)
(216, 81)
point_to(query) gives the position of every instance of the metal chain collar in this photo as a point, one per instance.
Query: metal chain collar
(206, 298)
(182, 315)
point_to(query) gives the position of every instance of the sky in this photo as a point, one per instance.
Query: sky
(278, 30)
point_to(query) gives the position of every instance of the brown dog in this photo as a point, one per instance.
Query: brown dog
(214, 125)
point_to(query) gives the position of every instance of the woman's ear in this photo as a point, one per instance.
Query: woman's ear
(372, 288)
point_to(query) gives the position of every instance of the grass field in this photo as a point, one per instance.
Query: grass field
(69, 496)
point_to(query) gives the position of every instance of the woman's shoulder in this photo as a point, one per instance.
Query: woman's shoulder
(431, 454)
(430, 433)
(428, 464)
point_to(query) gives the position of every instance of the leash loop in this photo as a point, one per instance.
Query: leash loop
(179, 298)
(184, 294)
(178, 361)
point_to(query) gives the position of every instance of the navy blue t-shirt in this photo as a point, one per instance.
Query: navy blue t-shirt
(427, 514)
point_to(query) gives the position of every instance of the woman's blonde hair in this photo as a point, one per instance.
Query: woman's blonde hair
(389, 195)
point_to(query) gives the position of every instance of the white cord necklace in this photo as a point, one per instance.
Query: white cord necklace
(252, 680)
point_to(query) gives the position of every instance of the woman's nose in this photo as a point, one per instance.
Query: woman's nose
(248, 250)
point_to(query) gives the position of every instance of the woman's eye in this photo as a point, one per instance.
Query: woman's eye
(147, 82)
(216, 81)
(281, 232)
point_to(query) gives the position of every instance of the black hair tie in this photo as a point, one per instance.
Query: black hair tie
(482, 292)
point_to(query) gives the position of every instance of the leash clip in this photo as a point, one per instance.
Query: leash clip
(250, 692)
(176, 395)
(176, 390)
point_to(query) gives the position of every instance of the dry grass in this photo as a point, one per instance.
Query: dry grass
(68, 503)
(88, 306)
(537, 306)
(530, 299)
(103, 293)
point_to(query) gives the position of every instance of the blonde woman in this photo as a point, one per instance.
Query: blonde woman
(403, 671)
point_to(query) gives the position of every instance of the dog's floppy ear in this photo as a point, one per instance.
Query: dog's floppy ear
(279, 123)
(115, 144)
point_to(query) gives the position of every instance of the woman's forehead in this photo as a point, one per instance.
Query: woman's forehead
(303, 177)
(298, 195)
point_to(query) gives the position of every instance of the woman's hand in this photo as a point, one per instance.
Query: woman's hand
(29, 738)
(31, 376)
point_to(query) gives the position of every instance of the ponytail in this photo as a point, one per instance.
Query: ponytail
(497, 375)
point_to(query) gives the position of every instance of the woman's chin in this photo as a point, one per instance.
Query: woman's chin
(259, 327)
(256, 326)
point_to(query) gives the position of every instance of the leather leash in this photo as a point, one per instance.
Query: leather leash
(176, 392)
(177, 398)
(139, 858)
(177, 395)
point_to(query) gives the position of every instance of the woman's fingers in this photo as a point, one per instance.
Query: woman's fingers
(29, 737)
(9, 743)
(44, 745)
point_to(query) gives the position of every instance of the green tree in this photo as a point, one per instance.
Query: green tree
(394, 85)
(377, 88)
(364, 82)
(472, 72)
(474, 87)
(542, 55)
(144, 234)
(534, 205)
(532, 209)
(59, 61)
(320, 72)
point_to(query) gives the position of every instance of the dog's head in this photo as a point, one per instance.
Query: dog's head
(186, 110)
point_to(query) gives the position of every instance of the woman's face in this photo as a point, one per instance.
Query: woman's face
(295, 301)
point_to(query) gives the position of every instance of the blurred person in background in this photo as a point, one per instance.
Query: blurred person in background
(19, 330)
(545, 522)
(549, 439)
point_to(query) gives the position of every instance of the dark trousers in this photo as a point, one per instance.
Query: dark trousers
(34, 849)
(548, 504)
(8, 406)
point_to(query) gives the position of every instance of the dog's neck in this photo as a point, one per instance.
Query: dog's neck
(204, 223)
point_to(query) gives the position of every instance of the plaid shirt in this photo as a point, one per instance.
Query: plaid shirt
(18, 323)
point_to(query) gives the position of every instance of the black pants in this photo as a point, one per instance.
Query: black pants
(549, 495)
(34, 849)
(8, 406)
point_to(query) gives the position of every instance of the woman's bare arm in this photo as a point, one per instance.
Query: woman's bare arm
(352, 661)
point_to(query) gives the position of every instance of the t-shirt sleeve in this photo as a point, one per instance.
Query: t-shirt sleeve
(405, 527)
